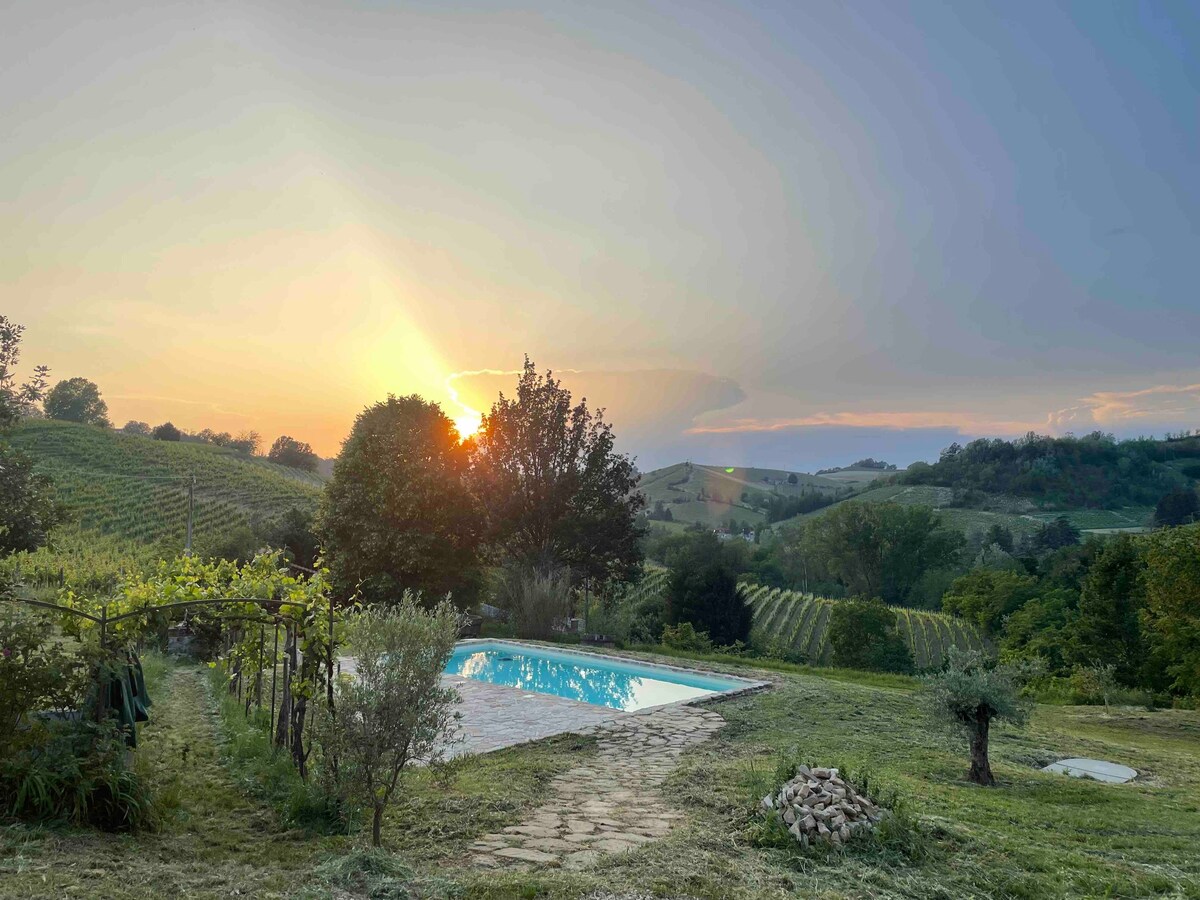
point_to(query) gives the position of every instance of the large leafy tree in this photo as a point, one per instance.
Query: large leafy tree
(554, 491)
(76, 400)
(1172, 611)
(1107, 628)
(1180, 506)
(880, 549)
(27, 507)
(988, 596)
(287, 451)
(397, 514)
(704, 592)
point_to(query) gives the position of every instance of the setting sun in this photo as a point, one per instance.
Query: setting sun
(469, 424)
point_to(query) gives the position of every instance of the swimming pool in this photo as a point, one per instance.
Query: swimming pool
(586, 677)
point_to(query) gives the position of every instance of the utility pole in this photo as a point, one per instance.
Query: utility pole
(187, 550)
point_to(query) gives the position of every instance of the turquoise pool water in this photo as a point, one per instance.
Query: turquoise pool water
(584, 677)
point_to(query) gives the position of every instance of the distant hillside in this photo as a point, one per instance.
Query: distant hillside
(124, 492)
(1100, 485)
(1091, 472)
(713, 495)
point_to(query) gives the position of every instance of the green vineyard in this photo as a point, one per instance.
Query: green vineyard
(800, 622)
(124, 494)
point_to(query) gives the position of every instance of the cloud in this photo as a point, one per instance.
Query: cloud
(1162, 404)
(964, 423)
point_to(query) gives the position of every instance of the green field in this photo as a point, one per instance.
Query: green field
(800, 623)
(127, 496)
(712, 495)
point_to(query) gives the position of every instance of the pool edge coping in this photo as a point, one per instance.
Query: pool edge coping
(749, 686)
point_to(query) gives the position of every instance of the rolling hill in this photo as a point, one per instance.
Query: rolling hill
(1020, 517)
(713, 495)
(127, 496)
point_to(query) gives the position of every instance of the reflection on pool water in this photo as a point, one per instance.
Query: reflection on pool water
(582, 677)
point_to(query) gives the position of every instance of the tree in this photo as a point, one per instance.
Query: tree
(16, 400)
(1055, 535)
(247, 442)
(969, 696)
(703, 590)
(863, 635)
(1172, 613)
(287, 451)
(166, 432)
(394, 710)
(293, 533)
(792, 479)
(987, 596)
(397, 514)
(28, 509)
(554, 491)
(1180, 506)
(1107, 627)
(76, 400)
(880, 549)
(136, 428)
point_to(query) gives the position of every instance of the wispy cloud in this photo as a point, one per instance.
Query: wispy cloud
(962, 422)
(1162, 403)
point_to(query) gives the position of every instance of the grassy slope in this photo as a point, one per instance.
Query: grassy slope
(1036, 835)
(124, 492)
(723, 489)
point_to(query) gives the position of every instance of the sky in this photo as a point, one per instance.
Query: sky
(781, 234)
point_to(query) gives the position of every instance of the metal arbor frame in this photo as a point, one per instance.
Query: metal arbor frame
(104, 620)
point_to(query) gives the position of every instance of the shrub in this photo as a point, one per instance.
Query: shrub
(394, 710)
(73, 773)
(534, 599)
(684, 637)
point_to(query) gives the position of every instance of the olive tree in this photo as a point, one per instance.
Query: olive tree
(969, 696)
(394, 709)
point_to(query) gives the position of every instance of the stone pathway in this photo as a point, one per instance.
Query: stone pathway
(611, 804)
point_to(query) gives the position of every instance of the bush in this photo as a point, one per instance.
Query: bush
(535, 600)
(863, 635)
(73, 773)
(394, 711)
(648, 620)
(684, 637)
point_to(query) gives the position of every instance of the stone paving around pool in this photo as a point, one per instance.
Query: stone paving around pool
(612, 803)
(495, 716)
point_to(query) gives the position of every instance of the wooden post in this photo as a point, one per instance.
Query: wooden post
(274, 673)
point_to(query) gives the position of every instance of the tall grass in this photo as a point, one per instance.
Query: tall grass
(267, 773)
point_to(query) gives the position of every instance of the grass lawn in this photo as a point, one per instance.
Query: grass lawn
(1033, 836)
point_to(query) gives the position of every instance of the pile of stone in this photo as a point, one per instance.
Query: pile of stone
(817, 805)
